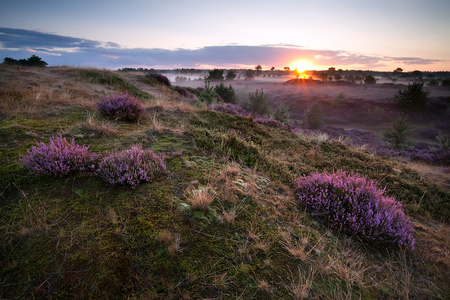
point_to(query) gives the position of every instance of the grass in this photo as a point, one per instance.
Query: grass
(77, 237)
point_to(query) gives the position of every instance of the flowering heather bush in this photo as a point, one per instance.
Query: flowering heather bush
(121, 107)
(159, 78)
(271, 123)
(184, 92)
(131, 166)
(354, 205)
(58, 157)
(230, 108)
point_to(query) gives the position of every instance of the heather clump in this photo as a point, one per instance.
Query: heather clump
(161, 79)
(58, 157)
(184, 92)
(121, 107)
(131, 166)
(355, 206)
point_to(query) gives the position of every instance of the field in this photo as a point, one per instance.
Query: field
(222, 221)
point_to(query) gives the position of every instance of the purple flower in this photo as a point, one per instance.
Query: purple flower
(354, 205)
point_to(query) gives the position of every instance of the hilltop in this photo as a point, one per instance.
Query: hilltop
(77, 236)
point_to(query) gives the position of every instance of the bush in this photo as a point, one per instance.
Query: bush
(159, 78)
(314, 116)
(282, 113)
(226, 93)
(58, 157)
(121, 107)
(413, 96)
(397, 132)
(355, 205)
(208, 95)
(369, 79)
(258, 103)
(445, 82)
(231, 74)
(215, 74)
(131, 166)
(444, 141)
(184, 92)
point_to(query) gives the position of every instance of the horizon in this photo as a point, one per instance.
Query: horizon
(411, 35)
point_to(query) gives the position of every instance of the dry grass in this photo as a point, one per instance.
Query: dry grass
(300, 286)
(201, 198)
(436, 174)
(94, 124)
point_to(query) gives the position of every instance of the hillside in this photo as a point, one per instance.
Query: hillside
(79, 237)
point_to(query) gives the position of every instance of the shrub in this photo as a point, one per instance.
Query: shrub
(413, 96)
(444, 141)
(230, 108)
(339, 99)
(314, 116)
(258, 103)
(354, 205)
(159, 78)
(445, 82)
(369, 79)
(231, 74)
(226, 93)
(58, 157)
(208, 95)
(131, 166)
(215, 74)
(282, 113)
(184, 92)
(121, 107)
(397, 132)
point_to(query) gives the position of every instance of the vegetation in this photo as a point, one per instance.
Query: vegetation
(370, 79)
(161, 79)
(226, 93)
(122, 107)
(282, 113)
(414, 96)
(314, 116)
(231, 75)
(208, 96)
(222, 220)
(32, 61)
(258, 103)
(216, 74)
(397, 132)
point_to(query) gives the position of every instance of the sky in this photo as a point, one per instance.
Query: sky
(377, 35)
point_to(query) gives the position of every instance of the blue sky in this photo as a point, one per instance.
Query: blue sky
(377, 35)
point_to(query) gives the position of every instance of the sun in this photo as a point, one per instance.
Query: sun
(300, 66)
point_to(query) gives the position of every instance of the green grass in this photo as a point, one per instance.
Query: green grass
(78, 237)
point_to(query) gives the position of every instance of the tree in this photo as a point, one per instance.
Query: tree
(397, 132)
(398, 70)
(33, 61)
(258, 103)
(249, 74)
(258, 70)
(272, 69)
(231, 74)
(287, 69)
(369, 79)
(413, 96)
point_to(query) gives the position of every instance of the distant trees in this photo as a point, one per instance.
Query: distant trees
(249, 74)
(258, 69)
(215, 74)
(32, 61)
(231, 74)
(370, 79)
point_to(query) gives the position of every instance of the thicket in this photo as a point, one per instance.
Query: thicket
(414, 96)
(354, 205)
(32, 61)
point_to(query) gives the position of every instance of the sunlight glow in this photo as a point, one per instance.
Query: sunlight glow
(300, 66)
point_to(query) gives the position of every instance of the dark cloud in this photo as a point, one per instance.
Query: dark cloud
(64, 50)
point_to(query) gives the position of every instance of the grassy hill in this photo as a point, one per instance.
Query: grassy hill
(79, 237)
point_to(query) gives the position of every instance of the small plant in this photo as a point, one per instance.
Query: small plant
(339, 99)
(413, 96)
(184, 92)
(444, 141)
(397, 132)
(161, 79)
(314, 116)
(58, 157)
(208, 95)
(258, 103)
(282, 113)
(226, 93)
(131, 166)
(354, 205)
(201, 198)
(122, 107)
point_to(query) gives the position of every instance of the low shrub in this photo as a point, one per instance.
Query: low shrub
(258, 103)
(58, 157)
(208, 95)
(226, 93)
(396, 133)
(314, 116)
(444, 141)
(216, 74)
(122, 107)
(414, 96)
(282, 113)
(370, 79)
(159, 78)
(355, 206)
(131, 166)
(184, 92)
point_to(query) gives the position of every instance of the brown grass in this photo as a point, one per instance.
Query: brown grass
(201, 198)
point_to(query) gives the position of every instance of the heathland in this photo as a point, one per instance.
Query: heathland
(122, 185)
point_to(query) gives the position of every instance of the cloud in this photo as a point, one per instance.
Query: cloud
(64, 50)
